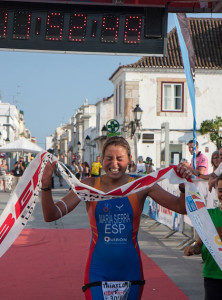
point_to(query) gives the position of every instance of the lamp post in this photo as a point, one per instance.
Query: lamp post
(137, 113)
(104, 131)
(134, 125)
(87, 139)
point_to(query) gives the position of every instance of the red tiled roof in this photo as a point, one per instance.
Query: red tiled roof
(207, 41)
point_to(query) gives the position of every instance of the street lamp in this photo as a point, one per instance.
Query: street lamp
(87, 139)
(137, 112)
(104, 131)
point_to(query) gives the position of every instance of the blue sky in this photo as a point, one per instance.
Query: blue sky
(49, 87)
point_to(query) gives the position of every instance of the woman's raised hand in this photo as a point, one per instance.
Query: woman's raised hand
(184, 171)
(47, 174)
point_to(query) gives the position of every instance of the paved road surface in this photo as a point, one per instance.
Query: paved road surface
(186, 272)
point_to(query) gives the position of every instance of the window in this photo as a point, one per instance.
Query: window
(172, 96)
(148, 138)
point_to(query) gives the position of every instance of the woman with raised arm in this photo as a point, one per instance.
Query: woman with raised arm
(114, 253)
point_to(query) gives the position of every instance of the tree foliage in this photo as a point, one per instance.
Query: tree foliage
(214, 128)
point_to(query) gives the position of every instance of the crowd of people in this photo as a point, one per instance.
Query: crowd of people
(201, 168)
(16, 172)
(83, 170)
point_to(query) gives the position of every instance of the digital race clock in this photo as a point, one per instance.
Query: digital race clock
(83, 28)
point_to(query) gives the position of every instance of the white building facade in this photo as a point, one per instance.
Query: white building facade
(148, 89)
(159, 86)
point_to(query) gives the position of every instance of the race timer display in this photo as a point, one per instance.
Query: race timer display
(82, 28)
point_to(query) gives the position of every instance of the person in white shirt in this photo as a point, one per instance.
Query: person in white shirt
(141, 166)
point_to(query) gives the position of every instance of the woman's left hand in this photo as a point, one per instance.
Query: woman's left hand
(184, 171)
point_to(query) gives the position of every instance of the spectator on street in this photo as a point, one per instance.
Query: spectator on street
(132, 167)
(141, 166)
(86, 170)
(201, 159)
(58, 173)
(19, 168)
(3, 173)
(80, 170)
(216, 173)
(216, 161)
(96, 167)
(75, 169)
(149, 165)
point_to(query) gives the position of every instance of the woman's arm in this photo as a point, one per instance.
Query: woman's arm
(166, 199)
(53, 211)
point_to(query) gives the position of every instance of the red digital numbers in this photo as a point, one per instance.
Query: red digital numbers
(3, 24)
(132, 30)
(77, 27)
(54, 26)
(37, 26)
(94, 28)
(110, 28)
(21, 25)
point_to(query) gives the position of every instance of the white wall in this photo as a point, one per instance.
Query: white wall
(208, 106)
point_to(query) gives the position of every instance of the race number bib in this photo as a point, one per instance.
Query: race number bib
(115, 290)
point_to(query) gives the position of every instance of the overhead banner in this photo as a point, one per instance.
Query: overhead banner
(22, 202)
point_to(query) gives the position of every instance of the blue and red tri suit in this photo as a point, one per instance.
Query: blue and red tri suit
(114, 254)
